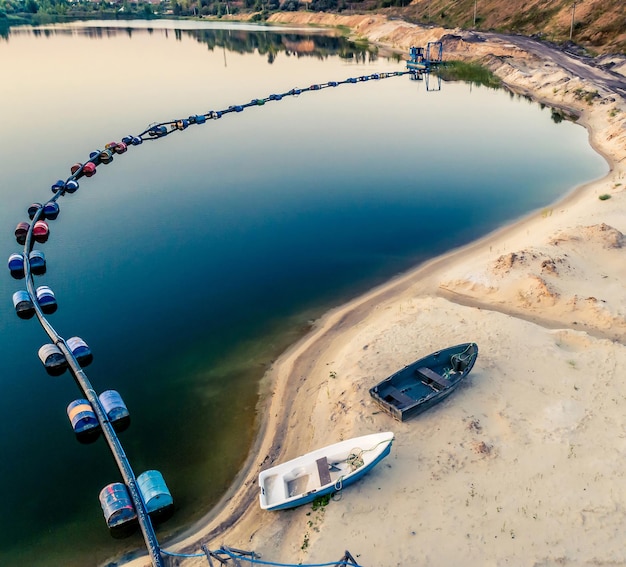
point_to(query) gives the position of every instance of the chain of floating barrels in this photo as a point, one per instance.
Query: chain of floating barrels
(37, 299)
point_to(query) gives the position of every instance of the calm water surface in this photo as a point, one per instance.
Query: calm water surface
(191, 261)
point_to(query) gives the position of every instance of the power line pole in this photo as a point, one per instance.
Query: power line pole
(475, 12)
(571, 28)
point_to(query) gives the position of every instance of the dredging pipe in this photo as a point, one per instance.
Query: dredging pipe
(123, 464)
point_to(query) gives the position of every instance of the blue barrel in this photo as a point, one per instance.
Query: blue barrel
(84, 421)
(16, 265)
(58, 186)
(23, 304)
(51, 210)
(80, 350)
(156, 495)
(32, 210)
(116, 409)
(71, 186)
(46, 299)
(53, 359)
(119, 512)
(37, 262)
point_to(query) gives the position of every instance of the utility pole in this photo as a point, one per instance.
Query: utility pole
(475, 12)
(571, 28)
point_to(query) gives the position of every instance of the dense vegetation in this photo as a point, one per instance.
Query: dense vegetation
(599, 25)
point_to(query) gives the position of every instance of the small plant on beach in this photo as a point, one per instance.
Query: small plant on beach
(320, 502)
(587, 96)
(604, 197)
(305, 543)
(333, 374)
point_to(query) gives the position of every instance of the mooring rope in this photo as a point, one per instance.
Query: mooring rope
(252, 559)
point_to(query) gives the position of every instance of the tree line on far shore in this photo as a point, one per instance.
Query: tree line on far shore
(36, 11)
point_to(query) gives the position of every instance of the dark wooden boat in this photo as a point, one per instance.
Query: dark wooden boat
(426, 382)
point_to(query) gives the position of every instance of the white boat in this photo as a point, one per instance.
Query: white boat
(322, 471)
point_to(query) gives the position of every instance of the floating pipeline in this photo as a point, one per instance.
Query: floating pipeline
(124, 505)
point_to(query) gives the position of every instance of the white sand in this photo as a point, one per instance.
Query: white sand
(523, 465)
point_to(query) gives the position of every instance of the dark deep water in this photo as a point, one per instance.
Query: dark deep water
(190, 262)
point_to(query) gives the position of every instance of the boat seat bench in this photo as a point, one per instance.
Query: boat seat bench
(322, 469)
(399, 395)
(431, 375)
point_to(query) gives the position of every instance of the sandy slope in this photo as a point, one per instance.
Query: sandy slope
(524, 464)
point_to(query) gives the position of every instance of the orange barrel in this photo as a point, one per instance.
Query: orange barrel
(84, 421)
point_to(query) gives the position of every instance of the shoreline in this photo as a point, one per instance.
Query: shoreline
(477, 434)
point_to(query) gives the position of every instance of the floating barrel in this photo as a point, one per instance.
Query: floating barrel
(41, 231)
(118, 510)
(106, 156)
(16, 265)
(23, 304)
(120, 148)
(53, 359)
(21, 230)
(157, 497)
(46, 299)
(32, 210)
(80, 350)
(57, 186)
(116, 409)
(89, 169)
(71, 186)
(84, 421)
(51, 210)
(37, 262)
(76, 168)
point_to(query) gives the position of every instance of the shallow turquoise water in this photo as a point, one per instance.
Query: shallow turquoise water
(189, 262)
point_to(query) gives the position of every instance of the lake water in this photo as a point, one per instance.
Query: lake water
(190, 262)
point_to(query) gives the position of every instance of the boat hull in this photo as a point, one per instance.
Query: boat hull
(426, 382)
(322, 472)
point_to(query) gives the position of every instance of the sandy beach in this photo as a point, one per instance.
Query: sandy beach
(522, 465)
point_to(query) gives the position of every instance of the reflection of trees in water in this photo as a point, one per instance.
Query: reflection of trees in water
(272, 43)
(233, 39)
